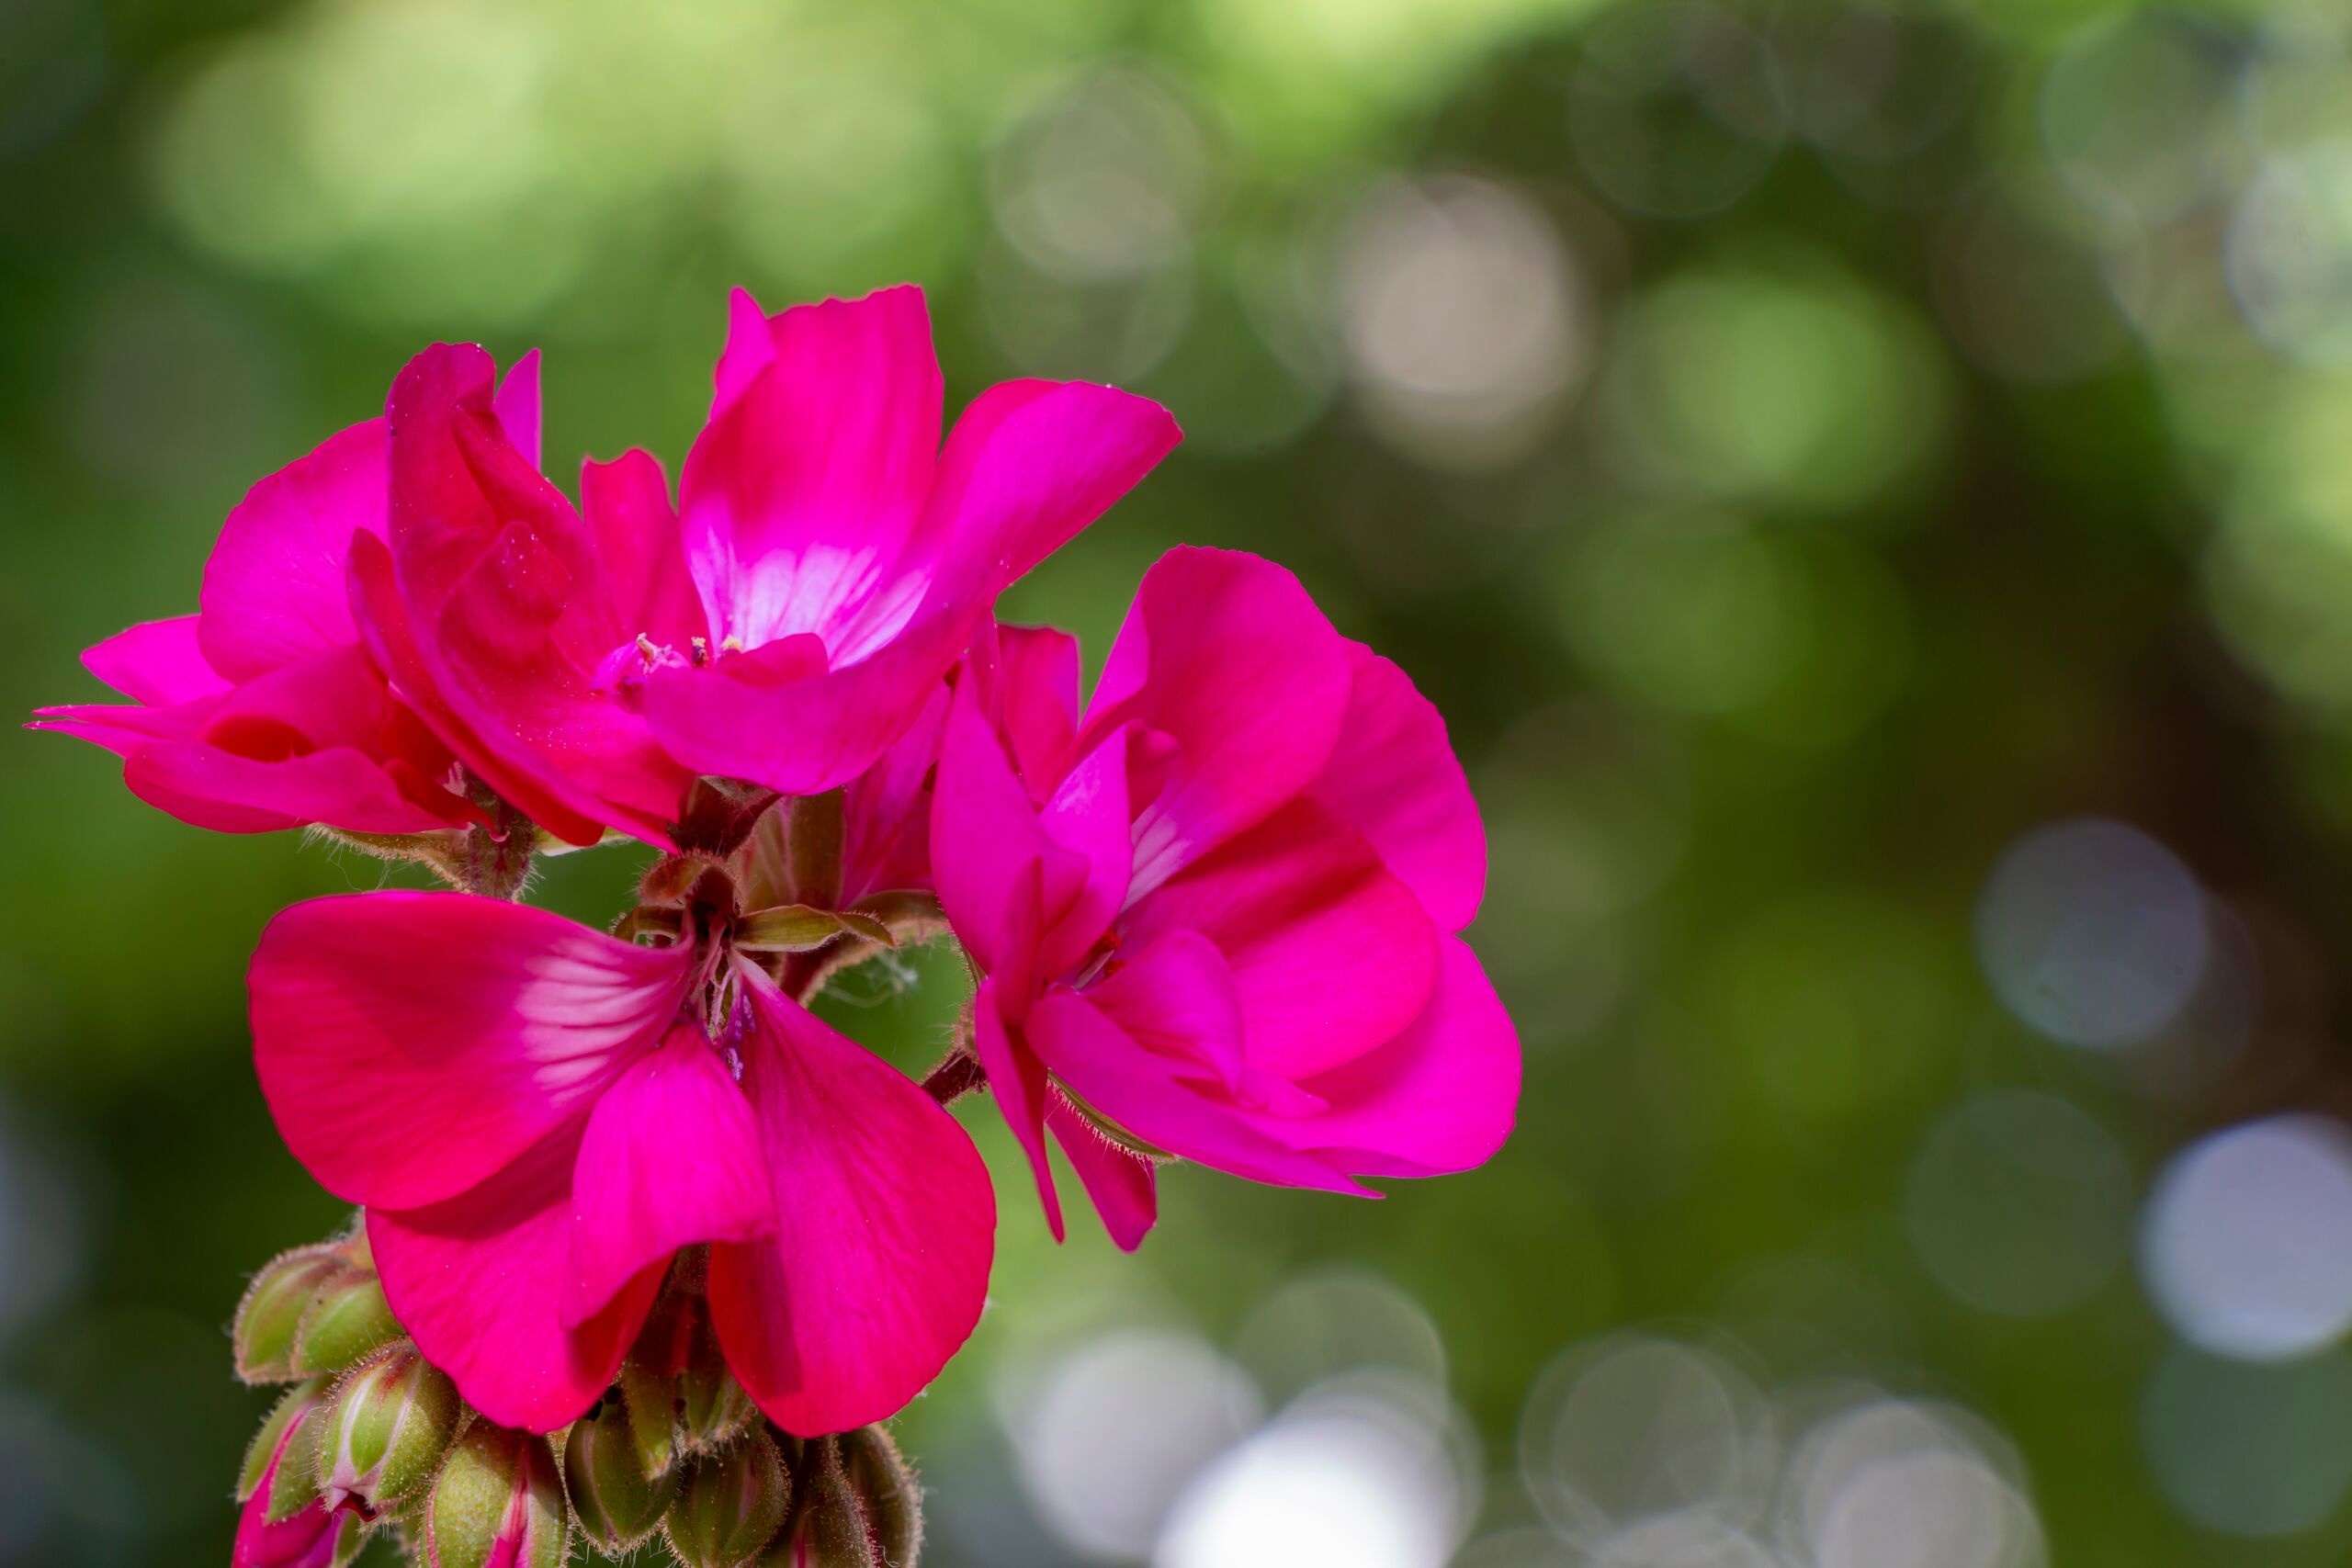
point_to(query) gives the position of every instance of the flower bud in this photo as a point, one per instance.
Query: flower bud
(309, 1536)
(385, 1428)
(273, 1308)
(730, 1504)
(618, 1503)
(860, 1506)
(347, 1319)
(262, 1453)
(497, 1500)
(681, 1397)
(713, 1409)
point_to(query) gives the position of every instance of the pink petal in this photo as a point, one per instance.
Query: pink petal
(1148, 1095)
(750, 348)
(886, 812)
(1394, 777)
(1176, 998)
(1088, 818)
(672, 1158)
(1439, 1097)
(1226, 655)
(1029, 465)
(411, 1044)
(392, 642)
(208, 787)
(1018, 1080)
(274, 584)
(516, 404)
(985, 846)
(643, 561)
(156, 663)
(122, 727)
(801, 493)
(1330, 955)
(479, 1281)
(734, 718)
(1123, 1186)
(886, 1228)
(1039, 669)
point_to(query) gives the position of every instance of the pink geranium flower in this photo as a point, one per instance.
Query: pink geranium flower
(825, 566)
(1217, 912)
(262, 711)
(537, 1116)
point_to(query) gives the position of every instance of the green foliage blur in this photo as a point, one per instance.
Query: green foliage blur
(1803, 447)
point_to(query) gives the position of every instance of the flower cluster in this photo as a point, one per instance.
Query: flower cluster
(622, 1189)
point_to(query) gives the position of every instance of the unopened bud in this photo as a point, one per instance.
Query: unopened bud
(730, 1504)
(713, 1409)
(309, 1536)
(262, 1453)
(497, 1500)
(682, 1399)
(385, 1428)
(273, 1308)
(347, 1319)
(860, 1506)
(618, 1503)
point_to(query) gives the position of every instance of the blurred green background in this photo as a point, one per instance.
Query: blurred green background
(1870, 485)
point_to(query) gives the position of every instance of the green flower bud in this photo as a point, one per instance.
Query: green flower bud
(860, 1506)
(498, 1498)
(713, 1409)
(730, 1504)
(346, 1320)
(272, 1311)
(264, 1447)
(618, 1503)
(651, 1402)
(295, 1486)
(385, 1428)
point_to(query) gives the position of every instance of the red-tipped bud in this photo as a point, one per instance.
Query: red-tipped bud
(616, 1502)
(498, 1500)
(385, 1428)
(347, 1320)
(730, 1504)
(860, 1506)
(272, 1311)
(309, 1536)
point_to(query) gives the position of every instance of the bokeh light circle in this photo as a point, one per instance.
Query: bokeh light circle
(2247, 1242)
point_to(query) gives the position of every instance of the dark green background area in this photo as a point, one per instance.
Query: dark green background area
(1801, 447)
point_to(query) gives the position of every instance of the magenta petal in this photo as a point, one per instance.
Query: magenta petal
(1088, 818)
(1144, 1093)
(1394, 777)
(274, 584)
(672, 1158)
(1123, 1185)
(156, 663)
(985, 841)
(801, 493)
(479, 1281)
(125, 728)
(886, 1228)
(1018, 1080)
(1038, 670)
(411, 1044)
(1439, 1097)
(1226, 655)
(734, 718)
(1330, 955)
(625, 504)
(886, 812)
(750, 348)
(208, 787)
(1176, 998)
(516, 404)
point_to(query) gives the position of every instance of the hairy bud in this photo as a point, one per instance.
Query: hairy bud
(618, 1503)
(272, 1311)
(497, 1500)
(346, 1320)
(681, 1398)
(309, 1536)
(860, 1506)
(730, 1504)
(385, 1428)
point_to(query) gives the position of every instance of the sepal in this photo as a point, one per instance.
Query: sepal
(616, 1502)
(730, 1504)
(498, 1499)
(385, 1428)
(347, 1320)
(271, 1313)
